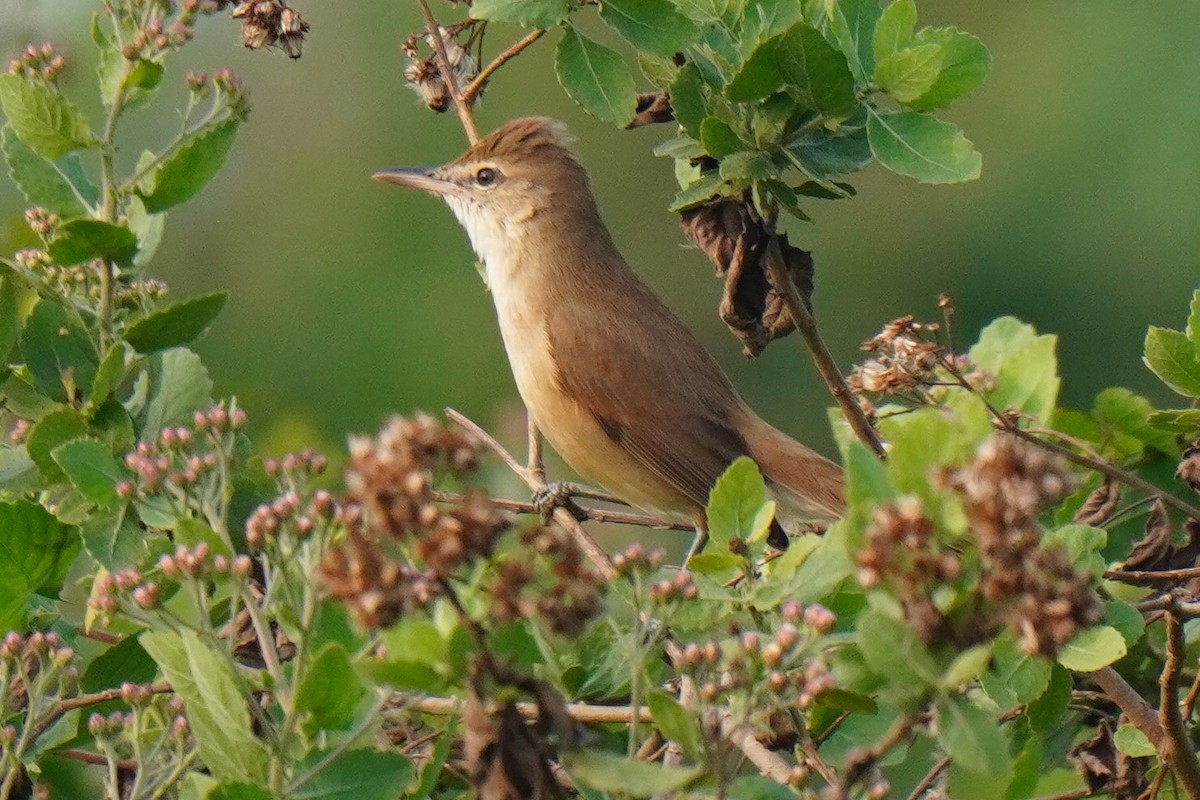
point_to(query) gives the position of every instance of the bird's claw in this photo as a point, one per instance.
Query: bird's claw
(558, 494)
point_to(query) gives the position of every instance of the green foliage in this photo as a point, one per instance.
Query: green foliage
(595, 77)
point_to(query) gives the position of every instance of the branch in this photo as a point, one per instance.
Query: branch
(580, 712)
(471, 92)
(927, 782)
(83, 701)
(1176, 750)
(562, 516)
(769, 763)
(806, 324)
(594, 514)
(439, 50)
(1140, 713)
(1164, 576)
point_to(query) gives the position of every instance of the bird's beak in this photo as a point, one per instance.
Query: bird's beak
(416, 178)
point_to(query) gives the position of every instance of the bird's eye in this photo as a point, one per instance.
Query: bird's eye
(486, 176)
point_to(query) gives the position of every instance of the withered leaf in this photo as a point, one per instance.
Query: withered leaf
(1099, 507)
(735, 238)
(505, 758)
(652, 108)
(1104, 768)
(1189, 467)
(1155, 551)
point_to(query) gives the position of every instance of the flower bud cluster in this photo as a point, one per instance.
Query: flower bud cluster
(902, 551)
(772, 670)
(271, 23)
(19, 430)
(42, 222)
(157, 36)
(636, 558)
(42, 63)
(288, 515)
(129, 588)
(1038, 592)
(160, 719)
(183, 457)
(548, 581)
(376, 590)
(39, 664)
(424, 76)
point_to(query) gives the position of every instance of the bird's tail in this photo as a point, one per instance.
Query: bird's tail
(807, 486)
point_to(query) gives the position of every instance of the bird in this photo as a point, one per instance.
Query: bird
(617, 384)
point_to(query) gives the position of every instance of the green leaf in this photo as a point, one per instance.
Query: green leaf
(922, 147)
(1023, 363)
(1185, 422)
(126, 661)
(909, 73)
(526, 13)
(47, 434)
(759, 74)
(596, 78)
(217, 710)
(42, 183)
(91, 468)
(736, 504)
(1174, 359)
(364, 774)
(10, 318)
(675, 723)
(607, 772)
(699, 192)
(179, 386)
(718, 139)
(1047, 711)
(239, 791)
(748, 167)
(894, 652)
(652, 25)
(1125, 414)
(45, 120)
(822, 154)
(80, 240)
(1081, 544)
(1092, 649)
(762, 19)
(714, 563)
(1015, 676)
(60, 355)
(330, 692)
(18, 473)
(816, 72)
(687, 100)
(894, 31)
(972, 738)
(35, 553)
(114, 538)
(1127, 619)
(175, 324)
(190, 168)
(109, 374)
(966, 62)
(967, 666)
(1133, 743)
(852, 23)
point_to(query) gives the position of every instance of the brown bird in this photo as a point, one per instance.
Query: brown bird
(618, 385)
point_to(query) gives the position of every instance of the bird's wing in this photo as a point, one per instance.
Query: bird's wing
(650, 385)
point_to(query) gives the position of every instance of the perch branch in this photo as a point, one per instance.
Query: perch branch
(594, 514)
(806, 324)
(1176, 748)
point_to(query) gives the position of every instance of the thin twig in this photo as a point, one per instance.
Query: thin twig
(586, 713)
(1154, 576)
(1176, 749)
(439, 50)
(1189, 702)
(83, 701)
(769, 763)
(806, 324)
(562, 516)
(476, 86)
(594, 514)
(927, 782)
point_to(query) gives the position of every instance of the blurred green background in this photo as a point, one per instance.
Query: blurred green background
(350, 300)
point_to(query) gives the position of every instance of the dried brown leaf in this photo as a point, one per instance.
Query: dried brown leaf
(652, 108)
(1100, 505)
(735, 238)
(1152, 551)
(1105, 769)
(1189, 467)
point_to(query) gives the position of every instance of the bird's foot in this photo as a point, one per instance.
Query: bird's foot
(560, 494)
